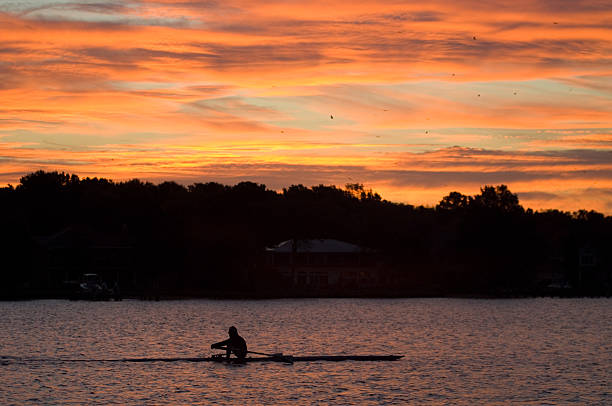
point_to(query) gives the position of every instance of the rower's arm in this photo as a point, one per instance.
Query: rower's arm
(220, 344)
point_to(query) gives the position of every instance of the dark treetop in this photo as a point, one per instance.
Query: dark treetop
(209, 239)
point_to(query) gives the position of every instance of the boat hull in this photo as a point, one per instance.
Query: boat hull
(284, 358)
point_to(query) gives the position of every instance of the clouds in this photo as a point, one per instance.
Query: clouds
(542, 179)
(425, 97)
(374, 44)
(92, 12)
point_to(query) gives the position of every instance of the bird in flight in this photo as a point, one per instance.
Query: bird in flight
(332, 117)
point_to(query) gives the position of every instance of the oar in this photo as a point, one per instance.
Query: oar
(280, 356)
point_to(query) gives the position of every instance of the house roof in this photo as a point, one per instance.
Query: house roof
(316, 245)
(82, 236)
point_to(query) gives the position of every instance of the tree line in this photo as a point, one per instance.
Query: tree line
(207, 234)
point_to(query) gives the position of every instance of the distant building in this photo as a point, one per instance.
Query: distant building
(594, 268)
(68, 254)
(324, 265)
(587, 257)
(550, 274)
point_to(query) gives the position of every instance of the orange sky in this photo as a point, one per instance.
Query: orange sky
(426, 97)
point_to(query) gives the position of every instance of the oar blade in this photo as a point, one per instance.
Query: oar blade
(285, 358)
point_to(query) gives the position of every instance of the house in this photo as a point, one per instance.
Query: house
(323, 265)
(587, 257)
(594, 268)
(75, 250)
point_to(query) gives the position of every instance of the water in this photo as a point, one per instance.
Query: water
(457, 351)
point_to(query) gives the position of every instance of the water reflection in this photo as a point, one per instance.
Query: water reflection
(457, 351)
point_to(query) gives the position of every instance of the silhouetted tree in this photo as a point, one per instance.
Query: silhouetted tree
(454, 201)
(208, 236)
(497, 198)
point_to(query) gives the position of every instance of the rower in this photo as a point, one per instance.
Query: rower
(235, 344)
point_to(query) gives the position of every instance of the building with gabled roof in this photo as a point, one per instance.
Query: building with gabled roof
(323, 245)
(324, 265)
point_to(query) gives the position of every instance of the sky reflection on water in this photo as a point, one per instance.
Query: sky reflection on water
(457, 351)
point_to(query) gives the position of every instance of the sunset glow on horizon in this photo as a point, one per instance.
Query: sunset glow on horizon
(412, 99)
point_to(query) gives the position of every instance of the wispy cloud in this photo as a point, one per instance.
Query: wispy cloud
(416, 99)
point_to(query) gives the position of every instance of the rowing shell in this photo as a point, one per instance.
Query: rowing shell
(284, 358)
(6, 360)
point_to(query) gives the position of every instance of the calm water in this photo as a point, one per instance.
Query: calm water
(457, 351)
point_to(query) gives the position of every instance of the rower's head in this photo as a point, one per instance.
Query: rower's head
(233, 331)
